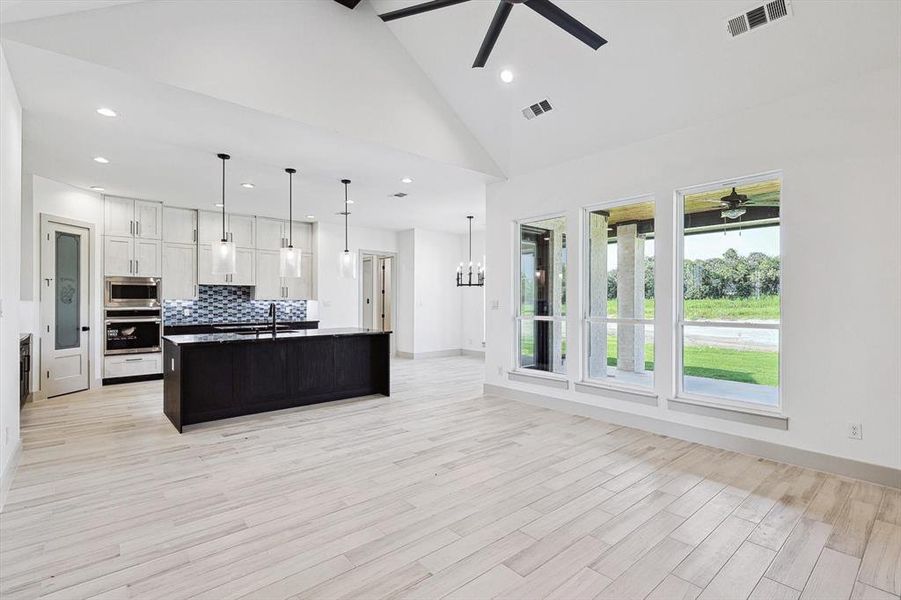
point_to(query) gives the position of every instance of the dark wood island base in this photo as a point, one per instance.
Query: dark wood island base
(216, 376)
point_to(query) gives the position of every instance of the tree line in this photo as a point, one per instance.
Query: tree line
(728, 276)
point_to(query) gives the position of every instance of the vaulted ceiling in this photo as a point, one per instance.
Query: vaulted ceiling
(337, 92)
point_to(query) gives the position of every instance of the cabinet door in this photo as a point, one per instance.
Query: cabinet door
(268, 283)
(205, 267)
(241, 230)
(301, 288)
(179, 225)
(148, 258)
(244, 263)
(148, 220)
(209, 226)
(179, 271)
(303, 236)
(118, 256)
(118, 216)
(270, 234)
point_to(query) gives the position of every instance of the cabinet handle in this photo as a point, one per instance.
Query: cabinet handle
(138, 227)
(134, 359)
(195, 235)
(131, 227)
(130, 262)
(137, 268)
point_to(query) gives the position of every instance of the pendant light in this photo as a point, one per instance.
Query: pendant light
(224, 250)
(479, 270)
(289, 258)
(347, 260)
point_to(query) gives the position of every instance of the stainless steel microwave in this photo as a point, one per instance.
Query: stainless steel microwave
(132, 292)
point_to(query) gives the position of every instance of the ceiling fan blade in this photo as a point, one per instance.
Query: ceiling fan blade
(418, 9)
(494, 31)
(351, 4)
(564, 21)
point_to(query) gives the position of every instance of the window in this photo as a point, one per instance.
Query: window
(729, 308)
(618, 323)
(541, 319)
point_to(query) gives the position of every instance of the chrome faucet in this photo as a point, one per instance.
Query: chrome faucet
(272, 313)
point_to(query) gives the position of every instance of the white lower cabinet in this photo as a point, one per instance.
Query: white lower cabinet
(130, 365)
(179, 271)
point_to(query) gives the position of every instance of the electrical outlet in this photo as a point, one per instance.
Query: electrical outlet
(855, 431)
(186, 312)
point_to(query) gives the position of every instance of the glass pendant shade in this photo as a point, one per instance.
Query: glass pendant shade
(347, 264)
(224, 262)
(289, 264)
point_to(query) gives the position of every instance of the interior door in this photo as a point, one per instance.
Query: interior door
(368, 288)
(65, 308)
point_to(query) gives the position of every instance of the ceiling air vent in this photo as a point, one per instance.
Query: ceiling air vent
(537, 109)
(400, 195)
(758, 17)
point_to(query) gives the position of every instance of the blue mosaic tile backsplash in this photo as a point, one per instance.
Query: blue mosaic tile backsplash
(229, 304)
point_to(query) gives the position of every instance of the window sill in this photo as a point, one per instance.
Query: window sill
(700, 406)
(618, 392)
(546, 379)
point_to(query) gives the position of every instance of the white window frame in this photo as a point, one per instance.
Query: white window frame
(680, 322)
(517, 303)
(587, 319)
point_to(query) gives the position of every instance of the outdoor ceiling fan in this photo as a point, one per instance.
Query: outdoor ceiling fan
(545, 8)
(735, 204)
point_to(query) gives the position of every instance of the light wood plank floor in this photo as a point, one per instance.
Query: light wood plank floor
(436, 492)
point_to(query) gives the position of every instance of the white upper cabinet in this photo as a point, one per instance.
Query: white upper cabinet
(245, 265)
(303, 236)
(240, 229)
(301, 288)
(148, 258)
(270, 234)
(269, 285)
(209, 226)
(179, 271)
(148, 220)
(118, 216)
(118, 256)
(179, 225)
(205, 267)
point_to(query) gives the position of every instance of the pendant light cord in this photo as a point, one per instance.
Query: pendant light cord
(223, 157)
(290, 208)
(346, 212)
(470, 242)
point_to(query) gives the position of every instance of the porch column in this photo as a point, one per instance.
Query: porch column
(597, 293)
(630, 297)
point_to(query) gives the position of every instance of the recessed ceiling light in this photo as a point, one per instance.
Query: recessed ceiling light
(248, 185)
(507, 76)
(106, 112)
(96, 188)
(406, 180)
(101, 160)
(311, 216)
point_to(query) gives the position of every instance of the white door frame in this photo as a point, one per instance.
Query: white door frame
(46, 220)
(379, 254)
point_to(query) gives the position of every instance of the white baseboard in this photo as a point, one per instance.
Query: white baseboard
(6, 477)
(439, 353)
(476, 353)
(804, 458)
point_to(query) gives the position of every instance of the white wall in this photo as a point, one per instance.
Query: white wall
(61, 200)
(405, 291)
(840, 153)
(437, 316)
(472, 301)
(10, 223)
(339, 299)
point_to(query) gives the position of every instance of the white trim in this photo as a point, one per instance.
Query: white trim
(679, 322)
(475, 353)
(720, 411)
(6, 477)
(431, 354)
(539, 378)
(810, 459)
(619, 392)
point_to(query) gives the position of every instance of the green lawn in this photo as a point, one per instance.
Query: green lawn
(745, 366)
(719, 309)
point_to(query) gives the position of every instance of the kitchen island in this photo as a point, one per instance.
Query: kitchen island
(220, 375)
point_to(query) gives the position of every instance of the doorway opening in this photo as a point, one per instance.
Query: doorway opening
(65, 297)
(377, 292)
